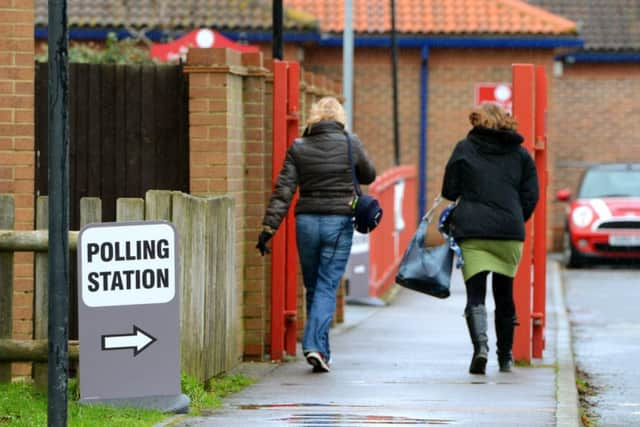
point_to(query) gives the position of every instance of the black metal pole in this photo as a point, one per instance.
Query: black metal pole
(394, 78)
(58, 213)
(277, 28)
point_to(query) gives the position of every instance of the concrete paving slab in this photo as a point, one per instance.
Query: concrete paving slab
(403, 364)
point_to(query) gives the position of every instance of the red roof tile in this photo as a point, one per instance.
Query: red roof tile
(445, 17)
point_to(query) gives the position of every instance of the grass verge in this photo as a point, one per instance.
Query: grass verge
(22, 405)
(585, 391)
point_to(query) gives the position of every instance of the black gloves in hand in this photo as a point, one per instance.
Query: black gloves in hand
(264, 237)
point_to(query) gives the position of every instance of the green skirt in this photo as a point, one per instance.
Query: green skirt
(500, 256)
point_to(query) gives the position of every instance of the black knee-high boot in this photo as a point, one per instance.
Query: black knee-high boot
(504, 333)
(477, 323)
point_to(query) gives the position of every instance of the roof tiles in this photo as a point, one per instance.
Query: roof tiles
(169, 15)
(435, 17)
(603, 24)
(441, 17)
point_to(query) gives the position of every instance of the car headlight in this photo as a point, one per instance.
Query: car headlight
(582, 216)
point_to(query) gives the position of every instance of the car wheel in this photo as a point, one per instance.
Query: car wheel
(572, 258)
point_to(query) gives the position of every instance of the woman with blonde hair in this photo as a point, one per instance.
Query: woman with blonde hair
(496, 181)
(318, 164)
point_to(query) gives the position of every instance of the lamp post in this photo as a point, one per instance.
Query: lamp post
(277, 12)
(58, 100)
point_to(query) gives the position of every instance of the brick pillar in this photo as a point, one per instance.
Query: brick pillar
(257, 271)
(227, 143)
(17, 146)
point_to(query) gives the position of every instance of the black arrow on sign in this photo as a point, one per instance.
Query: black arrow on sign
(138, 341)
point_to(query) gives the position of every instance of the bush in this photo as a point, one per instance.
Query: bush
(125, 51)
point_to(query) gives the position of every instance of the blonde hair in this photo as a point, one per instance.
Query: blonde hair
(327, 108)
(492, 116)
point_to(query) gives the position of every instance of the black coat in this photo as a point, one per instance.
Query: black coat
(497, 180)
(318, 163)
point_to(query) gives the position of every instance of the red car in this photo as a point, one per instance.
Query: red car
(603, 221)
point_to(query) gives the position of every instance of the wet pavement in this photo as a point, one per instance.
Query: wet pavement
(403, 364)
(606, 339)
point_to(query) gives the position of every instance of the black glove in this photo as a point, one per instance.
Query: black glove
(264, 237)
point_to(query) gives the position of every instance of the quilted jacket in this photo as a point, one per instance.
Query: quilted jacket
(318, 164)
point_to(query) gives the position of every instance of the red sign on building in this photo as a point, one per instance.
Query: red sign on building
(205, 38)
(496, 93)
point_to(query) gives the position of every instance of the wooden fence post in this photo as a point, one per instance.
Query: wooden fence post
(7, 219)
(188, 218)
(90, 210)
(41, 293)
(158, 205)
(129, 209)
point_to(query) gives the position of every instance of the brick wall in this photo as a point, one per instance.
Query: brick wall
(17, 146)
(373, 101)
(594, 118)
(230, 104)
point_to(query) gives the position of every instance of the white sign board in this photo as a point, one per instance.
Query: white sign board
(128, 265)
(129, 315)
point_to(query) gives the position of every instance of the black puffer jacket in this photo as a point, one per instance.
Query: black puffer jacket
(497, 180)
(319, 164)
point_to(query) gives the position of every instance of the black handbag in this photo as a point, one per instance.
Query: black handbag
(367, 212)
(426, 269)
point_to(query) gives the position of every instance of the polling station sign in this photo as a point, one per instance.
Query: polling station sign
(120, 270)
(128, 312)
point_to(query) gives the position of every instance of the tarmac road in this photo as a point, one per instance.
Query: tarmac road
(605, 318)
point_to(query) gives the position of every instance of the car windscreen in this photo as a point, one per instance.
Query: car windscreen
(610, 183)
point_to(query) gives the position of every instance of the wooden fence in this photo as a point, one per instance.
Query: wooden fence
(129, 132)
(210, 298)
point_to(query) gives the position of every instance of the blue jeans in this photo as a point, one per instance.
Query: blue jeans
(324, 244)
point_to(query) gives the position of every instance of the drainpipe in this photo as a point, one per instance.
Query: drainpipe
(394, 81)
(347, 62)
(424, 91)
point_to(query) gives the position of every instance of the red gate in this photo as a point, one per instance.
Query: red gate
(284, 260)
(530, 109)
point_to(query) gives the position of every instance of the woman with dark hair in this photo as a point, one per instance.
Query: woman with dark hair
(496, 181)
(318, 163)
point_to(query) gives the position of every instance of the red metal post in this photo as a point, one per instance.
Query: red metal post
(278, 247)
(540, 216)
(523, 111)
(291, 290)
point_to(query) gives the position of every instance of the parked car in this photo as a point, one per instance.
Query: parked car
(603, 220)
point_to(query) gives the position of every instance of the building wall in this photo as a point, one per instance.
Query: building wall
(17, 146)
(594, 118)
(452, 77)
(373, 98)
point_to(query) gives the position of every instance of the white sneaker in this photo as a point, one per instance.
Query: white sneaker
(316, 360)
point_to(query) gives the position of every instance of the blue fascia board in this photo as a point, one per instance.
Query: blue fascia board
(601, 57)
(384, 41)
(459, 42)
(335, 40)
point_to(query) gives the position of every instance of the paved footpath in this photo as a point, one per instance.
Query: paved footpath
(406, 364)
